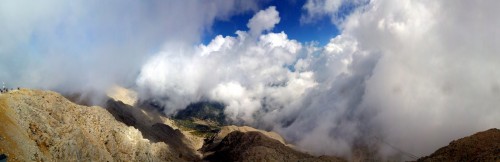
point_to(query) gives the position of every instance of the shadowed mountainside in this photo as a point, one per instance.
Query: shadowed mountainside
(482, 146)
(255, 146)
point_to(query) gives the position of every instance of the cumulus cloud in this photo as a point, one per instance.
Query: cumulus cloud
(270, 82)
(335, 9)
(436, 77)
(417, 75)
(78, 46)
(414, 74)
(263, 21)
(240, 71)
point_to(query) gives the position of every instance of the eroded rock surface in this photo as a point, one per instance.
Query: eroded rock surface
(45, 126)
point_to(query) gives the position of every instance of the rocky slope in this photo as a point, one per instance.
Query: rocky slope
(224, 131)
(200, 118)
(45, 126)
(482, 146)
(255, 146)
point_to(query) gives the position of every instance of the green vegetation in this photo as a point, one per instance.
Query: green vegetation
(212, 112)
(203, 134)
(201, 130)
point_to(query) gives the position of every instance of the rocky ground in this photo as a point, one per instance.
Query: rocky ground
(45, 126)
(482, 146)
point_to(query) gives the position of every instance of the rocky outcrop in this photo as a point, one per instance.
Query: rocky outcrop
(157, 128)
(44, 126)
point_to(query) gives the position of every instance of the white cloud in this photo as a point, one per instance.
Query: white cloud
(435, 83)
(263, 21)
(417, 74)
(75, 46)
(315, 8)
(244, 72)
(335, 9)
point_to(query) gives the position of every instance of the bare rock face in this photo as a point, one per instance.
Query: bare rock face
(482, 146)
(157, 128)
(44, 126)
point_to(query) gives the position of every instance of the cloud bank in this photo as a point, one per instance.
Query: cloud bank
(238, 71)
(414, 74)
(82, 46)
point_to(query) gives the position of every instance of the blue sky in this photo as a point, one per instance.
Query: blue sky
(320, 31)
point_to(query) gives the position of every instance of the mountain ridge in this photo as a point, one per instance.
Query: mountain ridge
(40, 125)
(45, 126)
